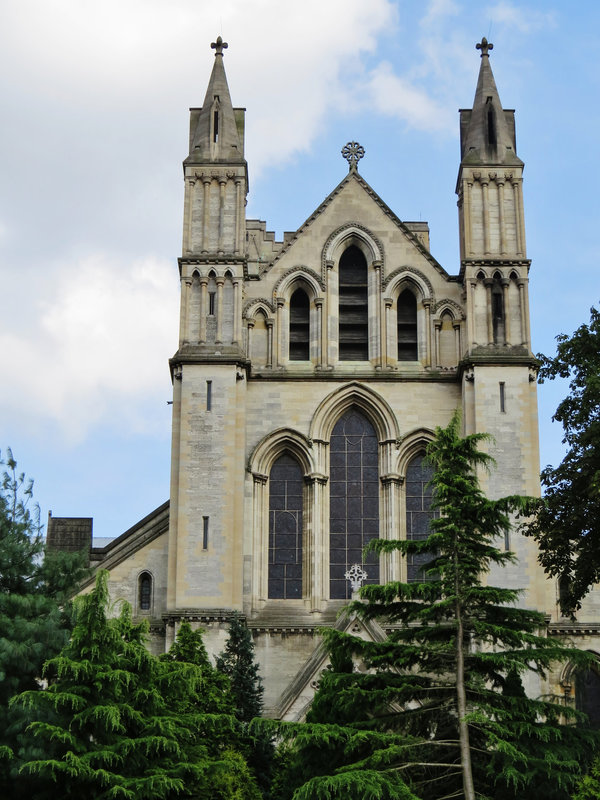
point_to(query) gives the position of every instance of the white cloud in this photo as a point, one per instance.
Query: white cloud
(520, 18)
(98, 342)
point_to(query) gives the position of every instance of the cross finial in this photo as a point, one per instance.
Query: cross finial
(357, 576)
(353, 152)
(484, 46)
(219, 46)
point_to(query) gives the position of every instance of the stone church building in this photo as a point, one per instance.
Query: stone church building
(309, 377)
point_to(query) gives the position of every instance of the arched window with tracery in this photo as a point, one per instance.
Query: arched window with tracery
(587, 694)
(145, 592)
(299, 326)
(286, 482)
(354, 500)
(353, 306)
(418, 514)
(408, 349)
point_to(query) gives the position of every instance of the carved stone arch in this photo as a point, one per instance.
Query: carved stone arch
(351, 234)
(302, 276)
(411, 445)
(447, 306)
(275, 444)
(253, 306)
(567, 674)
(196, 274)
(212, 273)
(481, 276)
(372, 404)
(228, 274)
(409, 277)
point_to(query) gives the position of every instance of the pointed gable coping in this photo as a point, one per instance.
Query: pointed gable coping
(309, 673)
(356, 176)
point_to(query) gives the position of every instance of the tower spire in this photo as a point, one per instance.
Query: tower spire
(215, 137)
(487, 130)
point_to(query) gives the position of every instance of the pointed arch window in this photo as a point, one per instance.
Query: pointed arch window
(285, 529)
(353, 306)
(408, 349)
(299, 326)
(354, 500)
(587, 694)
(418, 514)
(145, 591)
(498, 324)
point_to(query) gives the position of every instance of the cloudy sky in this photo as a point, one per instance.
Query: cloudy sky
(95, 99)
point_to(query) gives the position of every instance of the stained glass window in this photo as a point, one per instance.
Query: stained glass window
(354, 500)
(418, 514)
(285, 529)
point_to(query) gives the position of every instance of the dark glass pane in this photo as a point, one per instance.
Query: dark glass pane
(587, 694)
(145, 591)
(418, 516)
(354, 500)
(299, 326)
(285, 529)
(407, 327)
(353, 306)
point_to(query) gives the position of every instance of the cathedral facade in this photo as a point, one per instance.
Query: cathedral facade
(310, 375)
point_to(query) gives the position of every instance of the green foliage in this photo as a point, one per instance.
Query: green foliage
(438, 707)
(567, 521)
(35, 612)
(237, 662)
(117, 722)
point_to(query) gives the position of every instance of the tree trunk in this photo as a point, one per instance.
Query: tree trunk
(461, 705)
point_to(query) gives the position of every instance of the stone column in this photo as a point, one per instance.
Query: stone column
(387, 304)
(237, 311)
(321, 340)
(219, 336)
(269, 323)
(222, 187)
(427, 307)
(379, 363)
(469, 289)
(191, 191)
(486, 214)
(184, 310)
(488, 283)
(327, 321)
(518, 217)
(438, 326)
(260, 524)
(524, 303)
(250, 324)
(467, 216)
(505, 283)
(279, 332)
(390, 529)
(206, 181)
(502, 223)
(314, 550)
(238, 216)
(457, 342)
(203, 308)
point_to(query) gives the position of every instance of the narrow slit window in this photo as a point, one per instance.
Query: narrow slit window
(209, 395)
(507, 540)
(205, 533)
(211, 303)
(408, 346)
(216, 126)
(299, 326)
(502, 396)
(145, 591)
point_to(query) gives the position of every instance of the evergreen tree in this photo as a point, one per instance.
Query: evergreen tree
(237, 662)
(439, 703)
(35, 612)
(117, 722)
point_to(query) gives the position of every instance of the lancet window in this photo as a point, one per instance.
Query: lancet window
(285, 529)
(418, 514)
(145, 591)
(353, 306)
(299, 326)
(354, 500)
(408, 349)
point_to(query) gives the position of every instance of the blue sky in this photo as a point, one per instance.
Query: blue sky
(95, 99)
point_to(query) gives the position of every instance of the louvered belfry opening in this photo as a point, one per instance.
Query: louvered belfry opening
(299, 326)
(407, 327)
(353, 306)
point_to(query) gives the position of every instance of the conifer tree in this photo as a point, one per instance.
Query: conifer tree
(237, 662)
(117, 722)
(440, 702)
(35, 612)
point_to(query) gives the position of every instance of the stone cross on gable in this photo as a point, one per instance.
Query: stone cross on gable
(484, 46)
(219, 46)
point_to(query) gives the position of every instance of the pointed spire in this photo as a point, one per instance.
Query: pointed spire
(216, 137)
(487, 130)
